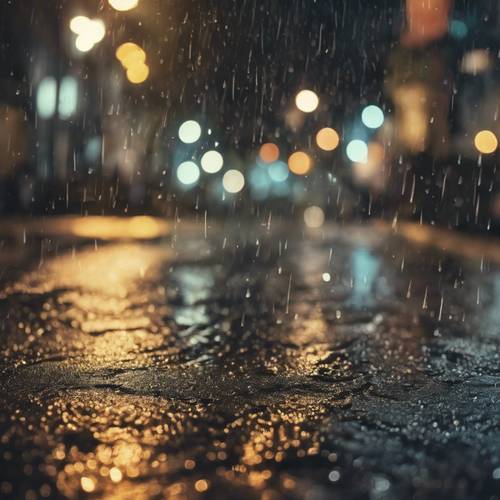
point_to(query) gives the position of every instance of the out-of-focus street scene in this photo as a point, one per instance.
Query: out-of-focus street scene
(250, 249)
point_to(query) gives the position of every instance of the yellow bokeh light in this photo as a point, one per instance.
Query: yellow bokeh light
(307, 101)
(201, 485)
(327, 139)
(486, 142)
(138, 73)
(88, 484)
(115, 474)
(129, 54)
(299, 163)
(133, 59)
(123, 5)
(269, 152)
(140, 227)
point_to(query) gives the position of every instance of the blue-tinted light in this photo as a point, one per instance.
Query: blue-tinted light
(46, 97)
(372, 116)
(188, 173)
(357, 151)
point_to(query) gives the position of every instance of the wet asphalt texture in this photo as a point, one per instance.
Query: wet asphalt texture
(252, 362)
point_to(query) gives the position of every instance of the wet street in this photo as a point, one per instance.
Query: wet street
(251, 362)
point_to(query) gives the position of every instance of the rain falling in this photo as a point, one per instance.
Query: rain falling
(250, 249)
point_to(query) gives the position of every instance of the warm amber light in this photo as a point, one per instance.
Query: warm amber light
(269, 152)
(123, 5)
(138, 73)
(327, 139)
(299, 163)
(88, 484)
(109, 228)
(314, 217)
(376, 153)
(486, 142)
(367, 172)
(133, 59)
(307, 101)
(129, 54)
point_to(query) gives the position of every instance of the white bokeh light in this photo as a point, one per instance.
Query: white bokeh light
(89, 31)
(212, 161)
(357, 151)
(372, 116)
(189, 132)
(188, 173)
(123, 5)
(307, 101)
(233, 181)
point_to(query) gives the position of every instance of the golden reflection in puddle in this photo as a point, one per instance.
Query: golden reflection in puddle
(93, 297)
(106, 228)
(114, 446)
(113, 269)
(470, 246)
(100, 227)
(310, 330)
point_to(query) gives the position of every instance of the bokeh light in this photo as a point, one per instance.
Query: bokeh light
(78, 24)
(46, 97)
(188, 173)
(278, 171)
(129, 53)
(486, 142)
(476, 61)
(327, 139)
(372, 116)
(84, 44)
(138, 73)
(68, 97)
(376, 153)
(458, 29)
(212, 162)
(269, 152)
(314, 217)
(366, 172)
(357, 151)
(133, 59)
(123, 5)
(260, 182)
(233, 181)
(189, 132)
(307, 101)
(89, 32)
(299, 163)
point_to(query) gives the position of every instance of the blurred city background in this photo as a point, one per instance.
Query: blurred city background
(315, 109)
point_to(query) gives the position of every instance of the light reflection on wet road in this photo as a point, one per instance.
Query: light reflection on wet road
(336, 364)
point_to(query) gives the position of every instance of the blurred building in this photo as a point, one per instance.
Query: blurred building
(404, 87)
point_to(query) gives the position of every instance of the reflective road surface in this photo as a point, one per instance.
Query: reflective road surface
(247, 362)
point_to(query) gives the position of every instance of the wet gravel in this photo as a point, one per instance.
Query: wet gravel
(253, 363)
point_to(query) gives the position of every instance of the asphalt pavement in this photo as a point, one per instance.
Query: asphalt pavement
(247, 361)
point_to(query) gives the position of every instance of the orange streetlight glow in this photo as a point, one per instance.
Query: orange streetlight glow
(299, 163)
(327, 139)
(133, 59)
(269, 152)
(486, 142)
